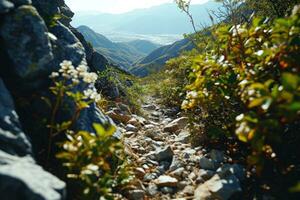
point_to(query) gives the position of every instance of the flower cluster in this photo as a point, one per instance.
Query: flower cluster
(191, 97)
(76, 75)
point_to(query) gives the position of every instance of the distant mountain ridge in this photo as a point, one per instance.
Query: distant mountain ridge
(123, 54)
(157, 59)
(157, 20)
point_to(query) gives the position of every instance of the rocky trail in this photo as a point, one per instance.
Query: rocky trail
(166, 165)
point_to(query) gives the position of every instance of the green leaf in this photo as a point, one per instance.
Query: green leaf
(100, 130)
(296, 188)
(290, 81)
(256, 102)
(295, 106)
(65, 125)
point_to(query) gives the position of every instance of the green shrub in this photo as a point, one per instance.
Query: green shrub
(95, 161)
(131, 93)
(247, 85)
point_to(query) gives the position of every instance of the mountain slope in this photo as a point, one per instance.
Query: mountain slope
(143, 45)
(155, 60)
(123, 54)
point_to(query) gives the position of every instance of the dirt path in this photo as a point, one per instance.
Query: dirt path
(168, 167)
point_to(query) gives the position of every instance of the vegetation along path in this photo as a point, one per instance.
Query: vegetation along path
(166, 165)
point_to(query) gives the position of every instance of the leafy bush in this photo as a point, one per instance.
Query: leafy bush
(131, 93)
(169, 84)
(247, 84)
(95, 161)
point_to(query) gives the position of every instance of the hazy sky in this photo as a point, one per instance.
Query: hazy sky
(116, 6)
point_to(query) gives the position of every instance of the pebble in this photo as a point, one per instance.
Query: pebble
(136, 194)
(166, 181)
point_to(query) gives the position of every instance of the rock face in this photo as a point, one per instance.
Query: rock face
(16, 163)
(32, 44)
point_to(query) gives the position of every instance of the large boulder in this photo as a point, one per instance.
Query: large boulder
(5, 6)
(17, 166)
(25, 38)
(12, 139)
(22, 178)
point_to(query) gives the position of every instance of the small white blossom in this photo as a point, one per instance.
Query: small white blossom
(243, 82)
(259, 53)
(54, 75)
(240, 117)
(192, 95)
(185, 104)
(90, 77)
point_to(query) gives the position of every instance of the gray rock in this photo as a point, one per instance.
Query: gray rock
(218, 188)
(208, 164)
(189, 190)
(21, 2)
(152, 189)
(21, 178)
(205, 174)
(176, 163)
(234, 169)
(5, 6)
(136, 194)
(188, 153)
(203, 193)
(12, 138)
(166, 181)
(67, 14)
(47, 8)
(149, 107)
(182, 184)
(149, 177)
(165, 154)
(177, 124)
(183, 137)
(167, 190)
(26, 41)
(217, 156)
(66, 47)
(178, 172)
(130, 127)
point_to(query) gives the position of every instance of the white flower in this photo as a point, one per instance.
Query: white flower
(240, 117)
(221, 59)
(192, 95)
(90, 77)
(237, 30)
(259, 53)
(251, 92)
(54, 75)
(82, 69)
(92, 94)
(66, 64)
(243, 129)
(244, 82)
(185, 104)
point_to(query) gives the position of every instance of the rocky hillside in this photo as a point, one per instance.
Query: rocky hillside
(35, 37)
(122, 54)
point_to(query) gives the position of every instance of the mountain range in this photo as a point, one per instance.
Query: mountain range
(165, 22)
(123, 54)
(142, 57)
